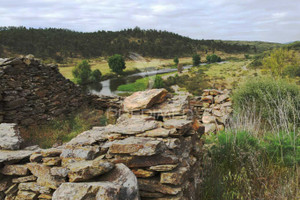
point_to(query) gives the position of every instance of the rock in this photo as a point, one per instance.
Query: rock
(208, 119)
(217, 113)
(20, 170)
(5, 183)
(159, 132)
(144, 99)
(35, 187)
(85, 170)
(45, 196)
(147, 161)
(51, 152)
(10, 157)
(88, 190)
(172, 143)
(89, 137)
(208, 99)
(26, 195)
(177, 105)
(133, 125)
(181, 125)
(9, 136)
(59, 171)
(210, 128)
(72, 154)
(52, 161)
(151, 194)
(226, 104)
(141, 173)
(153, 185)
(138, 146)
(221, 98)
(44, 176)
(12, 190)
(24, 179)
(162, 168)
(36, 157)
(174, 178)
(123, 177)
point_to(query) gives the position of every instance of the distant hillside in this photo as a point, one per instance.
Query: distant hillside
(61, 43)
(294, 45)
(260, 46)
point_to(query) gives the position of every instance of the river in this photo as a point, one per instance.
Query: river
(109, 87)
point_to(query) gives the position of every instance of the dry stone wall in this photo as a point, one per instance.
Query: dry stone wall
(32, 93)
(152, 152)
(213, 109)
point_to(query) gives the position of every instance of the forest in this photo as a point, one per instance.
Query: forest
(62, 43)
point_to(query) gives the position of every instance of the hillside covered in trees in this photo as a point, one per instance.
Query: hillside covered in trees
(62, 43)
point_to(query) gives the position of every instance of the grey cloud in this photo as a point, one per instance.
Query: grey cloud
(268, 20)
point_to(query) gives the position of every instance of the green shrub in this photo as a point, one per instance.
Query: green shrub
(196, 59)
(116, 63)
(158, 82)
(213, 58)
(239, 165)
(268, 97)
(176, 60)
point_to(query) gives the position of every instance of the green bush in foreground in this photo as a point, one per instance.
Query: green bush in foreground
(239, 165)
(270, 98)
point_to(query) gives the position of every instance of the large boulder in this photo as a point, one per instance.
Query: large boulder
(144, 99)
(9, 136)
(120, 183)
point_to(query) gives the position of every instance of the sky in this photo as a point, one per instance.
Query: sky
(259, 20)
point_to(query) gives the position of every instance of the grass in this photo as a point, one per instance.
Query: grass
(64, 129)
(102, 65)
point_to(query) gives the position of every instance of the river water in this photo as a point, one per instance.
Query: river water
(110, 86)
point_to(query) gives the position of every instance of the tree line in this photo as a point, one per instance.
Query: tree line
(61, 43)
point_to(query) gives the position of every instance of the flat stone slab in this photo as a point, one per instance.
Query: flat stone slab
(9, 136)
(138, 146)
(171, 107)
(144, 99)
(11, 157)
(133, 125)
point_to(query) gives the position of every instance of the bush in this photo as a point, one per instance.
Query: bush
(268, 97)
(213, 58)
(176, 60)
(84, 75)
(158, 82)
(279, 60)
(196, 59)
(239, 165)
(116, 63)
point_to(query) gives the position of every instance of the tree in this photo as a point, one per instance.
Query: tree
(96, 75)
(158, 82)
(83, 73)
(280, 61)
(176, 60)
(196, 59)
(116, 63)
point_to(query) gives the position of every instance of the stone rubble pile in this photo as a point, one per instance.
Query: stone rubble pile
(213, 109)
(152, 152)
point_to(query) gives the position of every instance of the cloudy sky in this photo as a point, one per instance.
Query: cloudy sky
(266, 20)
